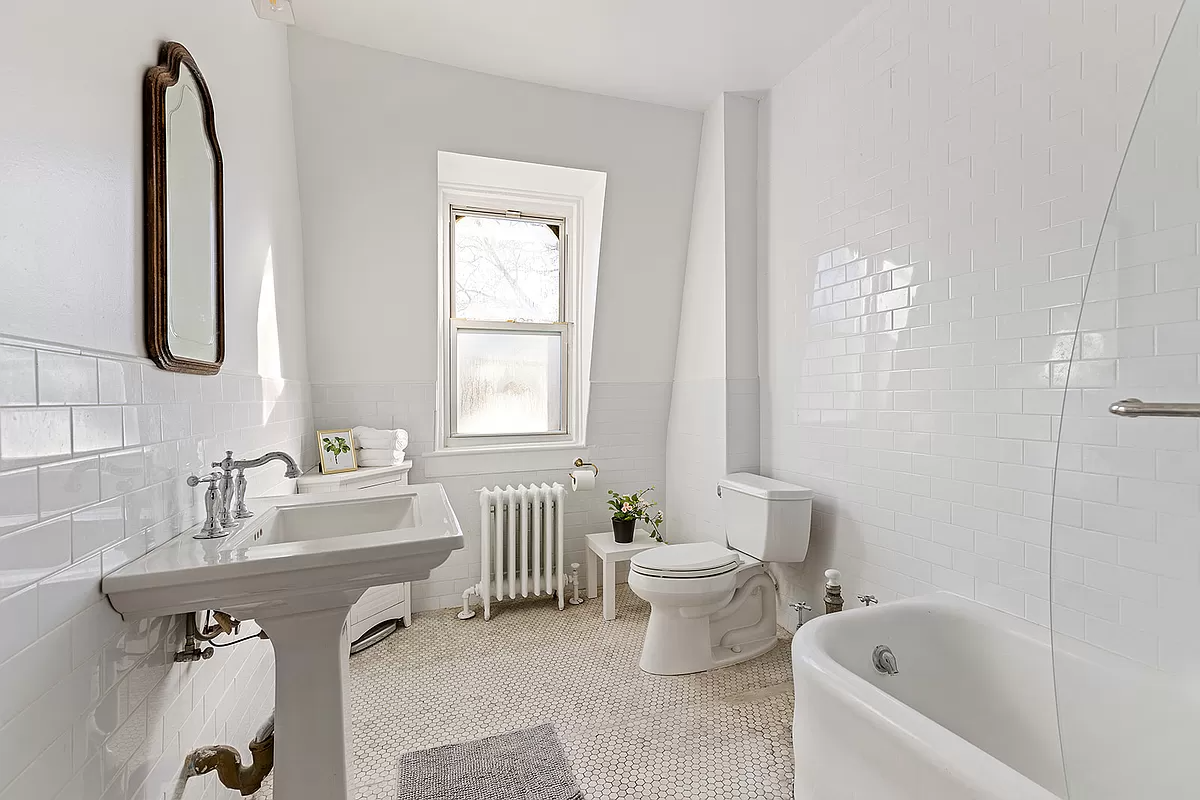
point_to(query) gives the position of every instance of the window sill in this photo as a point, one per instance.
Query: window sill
(451, 463)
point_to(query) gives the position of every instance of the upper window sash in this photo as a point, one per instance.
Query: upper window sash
(559, 224)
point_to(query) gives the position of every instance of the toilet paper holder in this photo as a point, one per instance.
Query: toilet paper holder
(579, 462)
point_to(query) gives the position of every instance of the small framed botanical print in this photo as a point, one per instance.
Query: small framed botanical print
(337, 451)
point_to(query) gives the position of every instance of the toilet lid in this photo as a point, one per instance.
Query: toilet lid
(689, 560)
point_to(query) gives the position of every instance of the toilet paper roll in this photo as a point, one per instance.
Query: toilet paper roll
(582, 480)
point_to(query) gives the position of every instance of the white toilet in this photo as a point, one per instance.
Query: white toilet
(713, 605)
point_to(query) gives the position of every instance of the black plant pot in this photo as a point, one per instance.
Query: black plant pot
(623, 530)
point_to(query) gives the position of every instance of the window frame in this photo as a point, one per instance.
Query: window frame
(502, 204)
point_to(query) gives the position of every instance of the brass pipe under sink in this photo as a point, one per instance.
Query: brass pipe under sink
(226, 761)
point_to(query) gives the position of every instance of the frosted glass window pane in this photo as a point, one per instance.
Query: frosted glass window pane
(508, 383)
(506, 269)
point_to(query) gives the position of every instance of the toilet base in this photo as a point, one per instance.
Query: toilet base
(683, 640)
(675, 644)
(728, 656)
(681, 646)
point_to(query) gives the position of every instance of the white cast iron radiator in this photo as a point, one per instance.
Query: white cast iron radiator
(521, 532)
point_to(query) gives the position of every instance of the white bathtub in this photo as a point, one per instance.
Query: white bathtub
(972, 712)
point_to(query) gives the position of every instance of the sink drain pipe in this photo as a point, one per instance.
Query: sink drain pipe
(226, 761)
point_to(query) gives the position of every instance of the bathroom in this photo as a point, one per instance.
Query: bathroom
(917, 261)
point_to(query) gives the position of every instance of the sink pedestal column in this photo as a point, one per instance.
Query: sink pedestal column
(312, 710)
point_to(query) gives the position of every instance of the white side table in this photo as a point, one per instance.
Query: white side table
(602, 547)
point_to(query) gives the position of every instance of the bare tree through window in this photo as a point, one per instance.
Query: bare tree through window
(508, 370)
(506, 269)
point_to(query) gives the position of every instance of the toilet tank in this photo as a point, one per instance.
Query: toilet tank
(766, 518)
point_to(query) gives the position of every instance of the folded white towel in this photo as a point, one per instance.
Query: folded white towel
(374, 439)
(380, 462)
(377, 454)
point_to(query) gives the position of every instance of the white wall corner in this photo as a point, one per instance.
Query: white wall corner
(713, 426)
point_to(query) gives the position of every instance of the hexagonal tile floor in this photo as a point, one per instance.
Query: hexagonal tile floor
(723, 735)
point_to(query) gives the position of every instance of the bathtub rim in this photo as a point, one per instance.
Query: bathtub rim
(926, 739)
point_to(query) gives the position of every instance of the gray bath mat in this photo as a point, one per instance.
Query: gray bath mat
(522, 765)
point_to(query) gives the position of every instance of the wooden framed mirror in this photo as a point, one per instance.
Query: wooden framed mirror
(185, 270)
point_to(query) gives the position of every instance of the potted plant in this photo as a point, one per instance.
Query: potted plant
(628, 509)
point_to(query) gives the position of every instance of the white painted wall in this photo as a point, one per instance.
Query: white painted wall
(741, 237)
(369, 126)
(696, 430)
(741, 284)
(71, 138)
(713, 429)
(94, 441)
(935, 178)
(701, 350)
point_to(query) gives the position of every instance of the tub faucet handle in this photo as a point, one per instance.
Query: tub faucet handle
(868, 600)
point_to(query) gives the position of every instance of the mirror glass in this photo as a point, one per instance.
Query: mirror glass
(191, 230)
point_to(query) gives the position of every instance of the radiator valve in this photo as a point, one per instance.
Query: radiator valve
(573, 579)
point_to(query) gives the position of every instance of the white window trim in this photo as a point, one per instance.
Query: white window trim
(567, 208)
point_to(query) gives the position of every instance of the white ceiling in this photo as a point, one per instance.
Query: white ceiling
(674, 52)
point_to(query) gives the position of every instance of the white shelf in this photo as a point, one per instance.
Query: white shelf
(362, 478)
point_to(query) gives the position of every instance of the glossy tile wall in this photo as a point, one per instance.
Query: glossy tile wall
(626, 438)
(94, 453)
(936, 176)
(1125, 538)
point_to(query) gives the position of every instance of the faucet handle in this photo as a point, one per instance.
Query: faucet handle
(212, 503)
(211, 479)
(868, 600)
(800, 608)
(239, 497)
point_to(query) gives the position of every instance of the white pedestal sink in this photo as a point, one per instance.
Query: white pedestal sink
(296, 568)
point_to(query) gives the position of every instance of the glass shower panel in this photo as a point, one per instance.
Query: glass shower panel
(1125, 534)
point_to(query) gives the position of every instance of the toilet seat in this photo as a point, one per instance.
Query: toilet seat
(686, 561)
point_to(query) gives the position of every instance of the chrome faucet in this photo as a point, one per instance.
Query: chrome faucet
(231, 485)
(212, 506)
(868, 600)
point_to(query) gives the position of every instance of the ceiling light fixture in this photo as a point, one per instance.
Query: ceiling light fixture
(275, 10)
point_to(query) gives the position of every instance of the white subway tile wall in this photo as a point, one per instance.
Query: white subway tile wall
(626, 433)
(938, 175)
(94, 452)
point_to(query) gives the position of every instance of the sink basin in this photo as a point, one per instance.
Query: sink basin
(296, 568)
(294, 549)
(309, 523)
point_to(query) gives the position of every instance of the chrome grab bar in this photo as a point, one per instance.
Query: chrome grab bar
(1136, 408)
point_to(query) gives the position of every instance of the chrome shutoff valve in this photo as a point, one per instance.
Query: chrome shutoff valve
(801, 607)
